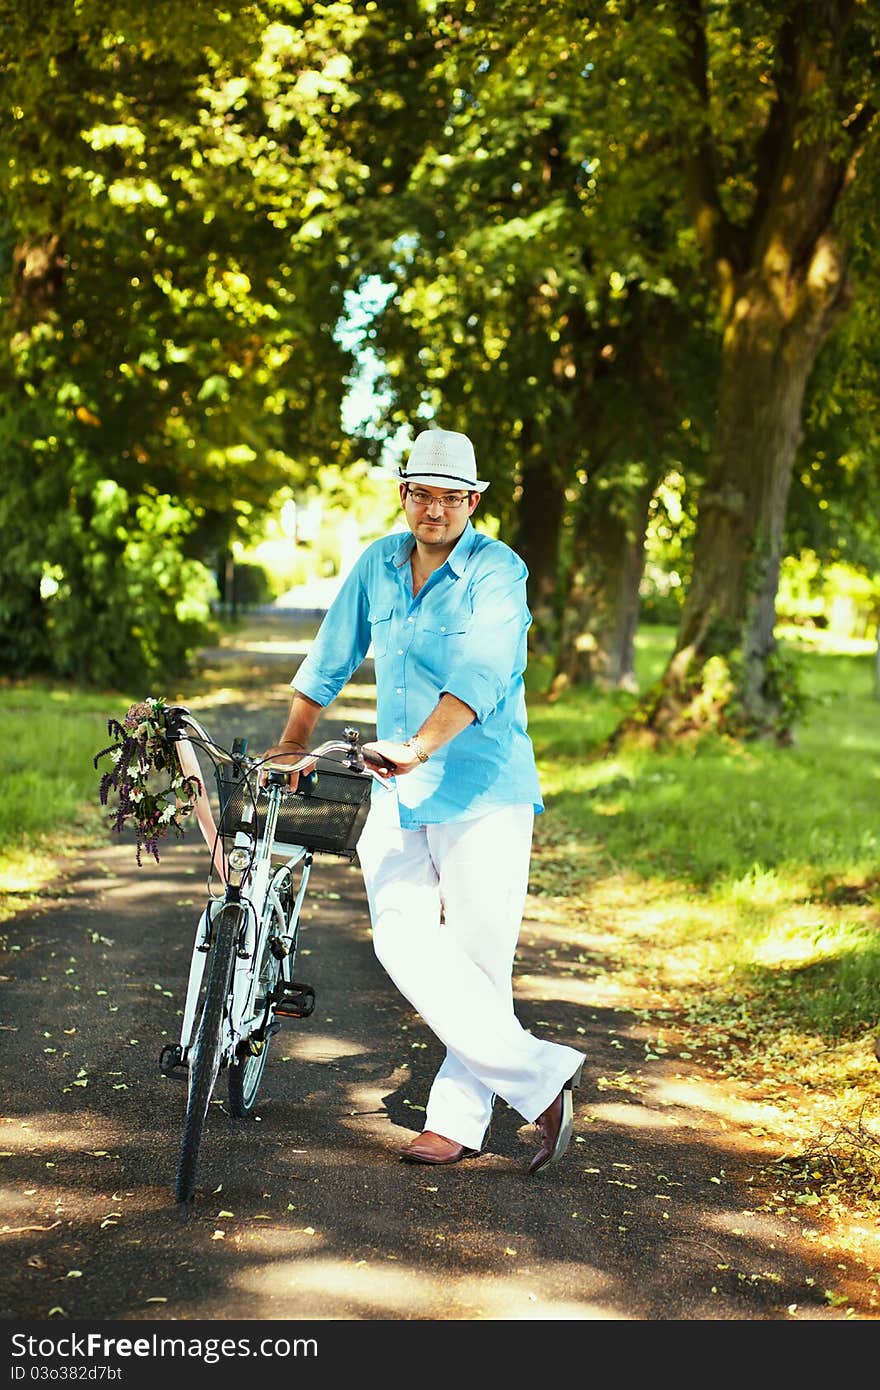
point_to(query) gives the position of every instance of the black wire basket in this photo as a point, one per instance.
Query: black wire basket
(326, 813)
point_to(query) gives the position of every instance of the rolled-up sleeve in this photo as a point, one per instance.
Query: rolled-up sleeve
(493, 654)
(340, 645)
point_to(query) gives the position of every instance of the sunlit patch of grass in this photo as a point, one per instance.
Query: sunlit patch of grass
(49, 736)
(23, 873)
(46, 763)
(734, 889)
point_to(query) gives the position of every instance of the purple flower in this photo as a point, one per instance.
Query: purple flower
(140, 748)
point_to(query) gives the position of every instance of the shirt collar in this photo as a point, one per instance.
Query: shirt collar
(456, 560)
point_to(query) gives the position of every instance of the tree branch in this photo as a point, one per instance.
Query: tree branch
(715, 235)
(776, 136)
(808, 45)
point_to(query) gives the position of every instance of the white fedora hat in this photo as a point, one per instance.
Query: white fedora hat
(442, 458)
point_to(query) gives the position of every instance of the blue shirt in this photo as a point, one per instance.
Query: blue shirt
(462, 634)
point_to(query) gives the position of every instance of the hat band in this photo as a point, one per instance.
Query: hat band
(447, 477)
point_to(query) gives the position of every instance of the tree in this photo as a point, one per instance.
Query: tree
(774, 109)
(833, 504)
(521, 312)
(167, 356)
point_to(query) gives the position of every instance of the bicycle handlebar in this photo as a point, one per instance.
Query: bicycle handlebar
(375, 759)
(358, 759)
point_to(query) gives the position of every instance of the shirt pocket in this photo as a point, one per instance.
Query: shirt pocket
(443, 636)
(380, 629)
(444, 626)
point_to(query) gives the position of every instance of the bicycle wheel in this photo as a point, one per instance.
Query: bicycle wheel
(246, 1072)
(204, 1059)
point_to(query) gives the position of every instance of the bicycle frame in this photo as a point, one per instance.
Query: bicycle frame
(261, 887)
(252, 883)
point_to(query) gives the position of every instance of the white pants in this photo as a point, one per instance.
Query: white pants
(446, 904)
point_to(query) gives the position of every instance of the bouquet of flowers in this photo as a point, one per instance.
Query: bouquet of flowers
(154, 797)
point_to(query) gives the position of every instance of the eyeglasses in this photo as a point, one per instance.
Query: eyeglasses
(449, 501)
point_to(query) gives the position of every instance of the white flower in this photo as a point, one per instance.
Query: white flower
(167, 815)
(136, 794)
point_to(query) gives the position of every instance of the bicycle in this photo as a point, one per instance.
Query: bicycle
(241, 981)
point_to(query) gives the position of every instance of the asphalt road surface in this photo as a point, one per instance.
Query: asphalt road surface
(306, 1213)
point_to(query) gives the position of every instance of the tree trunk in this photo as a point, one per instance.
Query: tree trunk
(35, 287)
(37, 276)
(601, 609)
(540, 512)
(781, 277)
(730, 610)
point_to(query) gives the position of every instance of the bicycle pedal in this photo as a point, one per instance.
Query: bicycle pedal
(295, 1000)
(172, 1064)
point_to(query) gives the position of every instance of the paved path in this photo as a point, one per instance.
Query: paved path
(306, 1213)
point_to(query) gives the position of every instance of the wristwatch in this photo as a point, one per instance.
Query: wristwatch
(417, 748)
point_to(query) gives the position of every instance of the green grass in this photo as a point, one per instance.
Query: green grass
(765, 858)
(49, 736)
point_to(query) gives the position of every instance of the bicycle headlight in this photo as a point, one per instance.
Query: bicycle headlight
(239, 860)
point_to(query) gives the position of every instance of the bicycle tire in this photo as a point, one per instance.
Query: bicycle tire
(204, 1062)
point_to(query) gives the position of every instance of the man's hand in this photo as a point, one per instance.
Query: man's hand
(401, 756)
(285, 753)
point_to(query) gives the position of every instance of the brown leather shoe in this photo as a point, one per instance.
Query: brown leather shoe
(429, 1147)
(555, 1125)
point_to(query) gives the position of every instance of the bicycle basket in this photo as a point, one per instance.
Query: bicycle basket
(326, 816)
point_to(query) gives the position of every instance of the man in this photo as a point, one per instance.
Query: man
(445, 852)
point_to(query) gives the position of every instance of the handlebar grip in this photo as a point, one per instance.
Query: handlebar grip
(376, 759)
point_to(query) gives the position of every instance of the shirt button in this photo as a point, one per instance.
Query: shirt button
(400, 651)
(409, 620)
(443, 629)
(400, 690)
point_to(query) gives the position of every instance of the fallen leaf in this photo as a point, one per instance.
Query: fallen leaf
(16, 1230)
